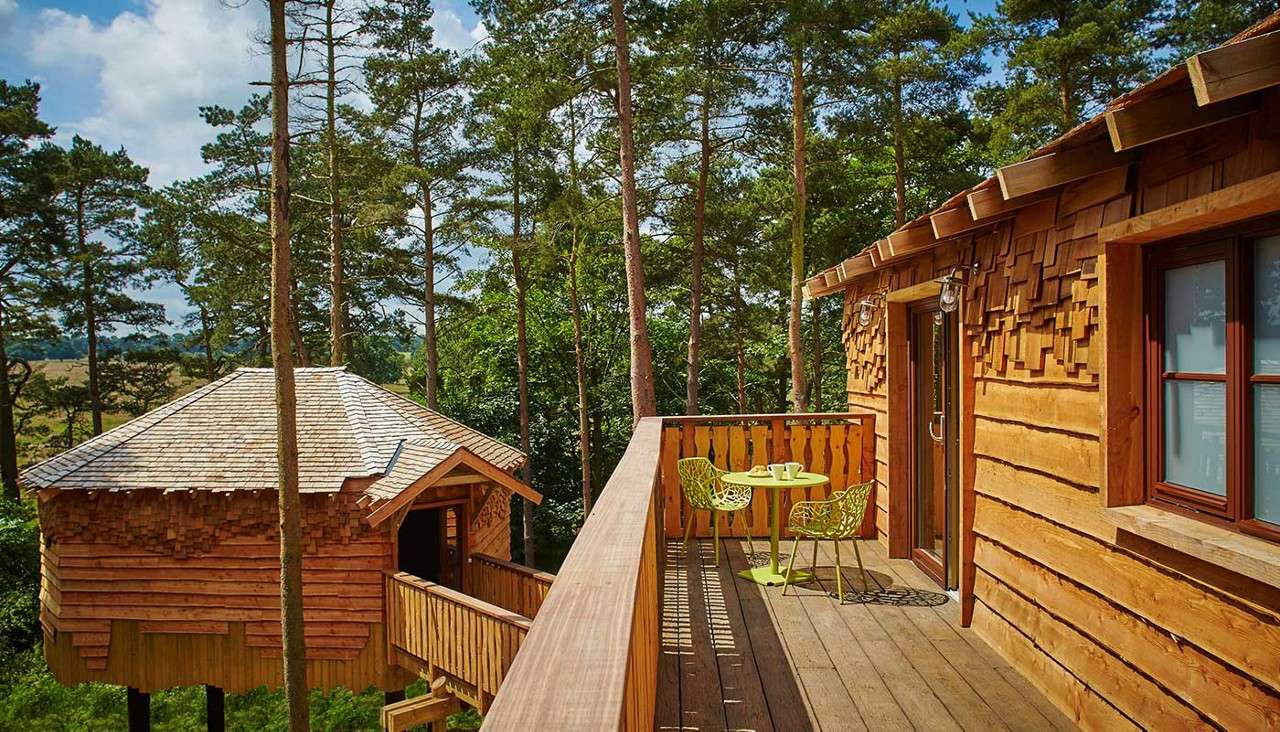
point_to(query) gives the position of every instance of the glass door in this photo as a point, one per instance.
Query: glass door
(935, 439)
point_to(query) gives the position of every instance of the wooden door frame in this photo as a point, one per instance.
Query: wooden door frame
(464, 532)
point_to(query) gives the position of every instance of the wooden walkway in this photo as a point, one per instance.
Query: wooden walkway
(737, 656)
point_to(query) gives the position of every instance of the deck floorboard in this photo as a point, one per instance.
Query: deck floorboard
(739, 656)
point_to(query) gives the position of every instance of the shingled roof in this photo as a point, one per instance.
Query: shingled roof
(222, 437)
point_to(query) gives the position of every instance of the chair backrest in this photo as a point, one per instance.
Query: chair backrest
(853, 508)
(697, 480)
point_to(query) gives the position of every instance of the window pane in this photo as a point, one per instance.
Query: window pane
(1266, 453)
(1195, 318)
(1266, 307)
(1195, 436)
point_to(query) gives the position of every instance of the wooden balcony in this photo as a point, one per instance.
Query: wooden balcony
(637, 634)
(736, 655)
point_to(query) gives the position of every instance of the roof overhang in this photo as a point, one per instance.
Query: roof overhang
(462, 457)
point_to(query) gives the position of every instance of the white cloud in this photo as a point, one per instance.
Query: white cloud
(450, 33)
(153, 69)
(8, 6)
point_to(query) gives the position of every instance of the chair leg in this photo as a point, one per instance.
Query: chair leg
(864, 573)
(746, 523)
(688, 529)
(839, 574)
(715, 532)
(814, 568)
(791, 564)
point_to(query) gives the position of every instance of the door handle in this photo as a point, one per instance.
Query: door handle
(941, 420)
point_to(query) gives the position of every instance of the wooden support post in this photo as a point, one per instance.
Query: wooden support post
(139, 711)
(215, 708)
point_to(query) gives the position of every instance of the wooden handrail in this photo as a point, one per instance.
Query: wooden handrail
(590, 660)
(435, 630)
(515, 587)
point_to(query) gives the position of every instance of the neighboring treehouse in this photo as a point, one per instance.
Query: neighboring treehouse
(160, 555)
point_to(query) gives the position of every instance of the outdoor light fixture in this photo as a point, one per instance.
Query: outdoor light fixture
(953, 287)
(867, 308)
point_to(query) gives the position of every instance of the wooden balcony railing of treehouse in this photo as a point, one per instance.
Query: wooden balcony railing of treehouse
(590, 661)
(508, 585)
(439, 632)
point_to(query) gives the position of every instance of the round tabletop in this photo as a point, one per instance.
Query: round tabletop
(802, 480)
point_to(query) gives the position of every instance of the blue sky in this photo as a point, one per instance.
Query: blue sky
(132, 73)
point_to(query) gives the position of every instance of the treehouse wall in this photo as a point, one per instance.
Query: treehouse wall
(1118, 631)
(156, 590)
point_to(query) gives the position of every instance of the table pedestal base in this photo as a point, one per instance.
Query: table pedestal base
(769, 578)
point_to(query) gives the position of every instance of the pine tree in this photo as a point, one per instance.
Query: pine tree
(31, 239)
(101, 194)
(1064, 59)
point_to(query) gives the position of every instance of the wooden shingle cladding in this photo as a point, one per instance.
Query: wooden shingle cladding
(1119, 629)
(160, 549)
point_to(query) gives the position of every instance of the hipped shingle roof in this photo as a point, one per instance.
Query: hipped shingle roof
(222, 437)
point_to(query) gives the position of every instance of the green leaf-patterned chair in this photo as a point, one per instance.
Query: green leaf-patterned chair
(838, 517)
(703, 489)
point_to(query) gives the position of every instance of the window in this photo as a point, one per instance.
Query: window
(1213, 373)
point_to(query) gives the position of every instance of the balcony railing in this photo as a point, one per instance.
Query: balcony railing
(590, 660)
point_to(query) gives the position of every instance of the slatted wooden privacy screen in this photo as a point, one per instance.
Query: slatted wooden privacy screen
(433, 629)
(508, 585)
(839, 445)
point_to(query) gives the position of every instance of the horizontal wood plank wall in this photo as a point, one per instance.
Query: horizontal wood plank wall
(841, 446)
(508, 585)
(434, 630)
(1117, 637)
(185, 585)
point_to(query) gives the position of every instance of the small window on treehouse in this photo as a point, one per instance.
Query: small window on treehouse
(1213, 380)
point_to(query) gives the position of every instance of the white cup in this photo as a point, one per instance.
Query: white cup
(793, 469)
(778, 471)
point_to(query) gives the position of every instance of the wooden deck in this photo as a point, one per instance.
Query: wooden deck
(743, 657)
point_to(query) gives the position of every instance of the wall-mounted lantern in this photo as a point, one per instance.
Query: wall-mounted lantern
(867, 308)
(953, 287)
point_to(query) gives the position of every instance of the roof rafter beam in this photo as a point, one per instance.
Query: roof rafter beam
(1166, 115)
(1060, 167)
(1235, 69)
(986, 204)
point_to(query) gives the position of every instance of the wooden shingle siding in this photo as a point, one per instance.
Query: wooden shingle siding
(1116, 636)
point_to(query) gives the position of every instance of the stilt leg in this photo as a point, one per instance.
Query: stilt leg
(215, 708)
(839, 574)
(139, 711)
(791, 564)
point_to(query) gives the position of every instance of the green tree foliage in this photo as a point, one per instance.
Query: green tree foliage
(1192, 27)
(1064, 59)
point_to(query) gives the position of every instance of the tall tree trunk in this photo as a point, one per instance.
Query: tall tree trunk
(429, 298)
(643, 402)
(739, 327)
(206, 341)
(337, 301)
(699, 253)
(90, 316)
(899, 156)
(8, 436)
(580, 363)
(522, 354)
(575, 307)
(817, 354)
(294, 643)
(799, 396)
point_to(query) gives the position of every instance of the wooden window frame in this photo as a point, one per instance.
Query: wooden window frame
(1234, 247)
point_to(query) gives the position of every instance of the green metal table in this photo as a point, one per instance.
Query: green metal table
(771, 575)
